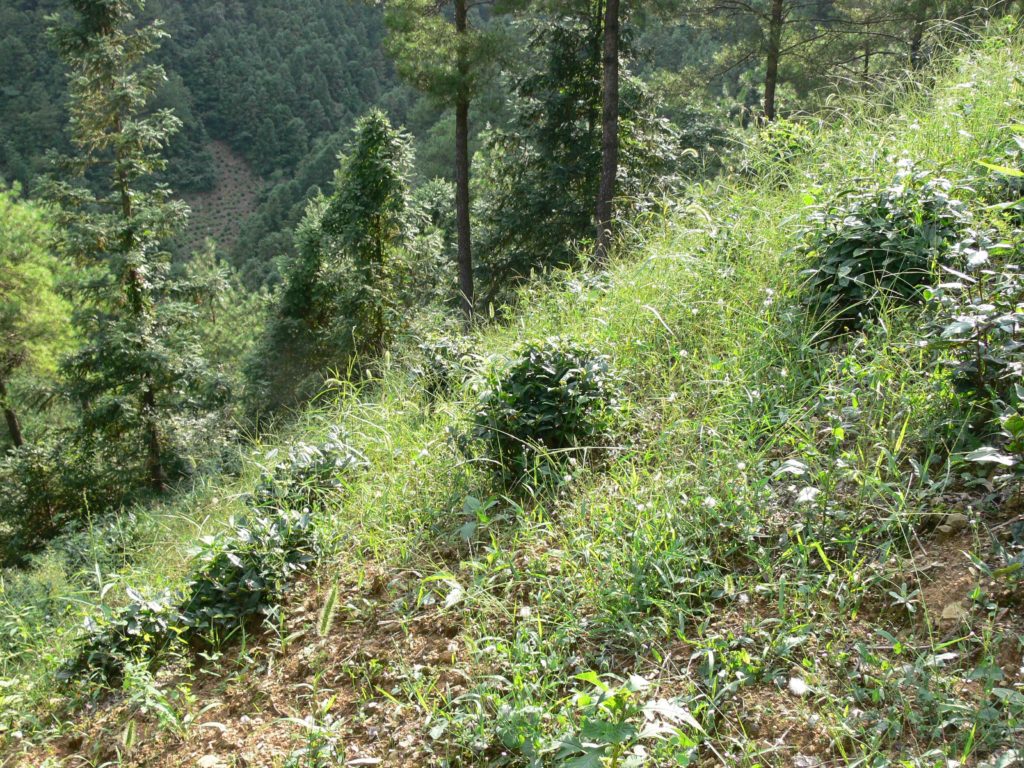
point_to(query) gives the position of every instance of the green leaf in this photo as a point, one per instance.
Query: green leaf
(593, 678)
(604, 732)
(1009, 569)
(591, 758)
(1014, 424)
(990, 455)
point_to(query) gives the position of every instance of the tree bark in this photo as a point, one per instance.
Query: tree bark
(771, 77)
(154, 461)
(609, 132)
(918, 17)
(462, 221)
(916, 38)
(13, 425)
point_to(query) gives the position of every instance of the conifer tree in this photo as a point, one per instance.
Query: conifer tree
(365, 228)
(135, 376)
(449, 61)
(339, 301)
(34, 319)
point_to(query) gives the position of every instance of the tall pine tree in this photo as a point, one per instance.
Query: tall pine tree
(135, 375)
(449, 60)
(34, 319)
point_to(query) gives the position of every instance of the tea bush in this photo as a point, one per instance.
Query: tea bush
(244, 572)
(300, 478)
(138, 631)
(882, 245)
(1004, 187)
(239, 576)
(976, 330)
(553, 399)
(978, 321)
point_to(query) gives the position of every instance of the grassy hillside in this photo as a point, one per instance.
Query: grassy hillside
(782, 557)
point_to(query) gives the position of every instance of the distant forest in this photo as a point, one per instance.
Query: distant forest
(282, 82)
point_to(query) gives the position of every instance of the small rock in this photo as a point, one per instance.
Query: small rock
(798, 687)
(945, 530)
(805, 761)
(1008, 759)
(954, 612)
(956, 521)
(210, 761)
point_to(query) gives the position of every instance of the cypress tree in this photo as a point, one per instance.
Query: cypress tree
(135, 375)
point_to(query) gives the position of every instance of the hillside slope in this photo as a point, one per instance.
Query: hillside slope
(782, 558)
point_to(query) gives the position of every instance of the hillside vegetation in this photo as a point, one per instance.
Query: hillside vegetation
(779, 538)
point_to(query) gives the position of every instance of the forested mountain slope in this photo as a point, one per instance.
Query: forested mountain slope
(274, 80)
(750, 497)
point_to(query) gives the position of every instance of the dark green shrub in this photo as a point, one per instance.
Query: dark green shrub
(880, 246)
(550, 402)
(138, 631)
(243, 573)
(446, 365)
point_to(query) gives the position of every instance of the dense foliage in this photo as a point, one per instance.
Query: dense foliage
(552, 402)
(35, 323)
(539, 177)
(339, 305)
(882, 246)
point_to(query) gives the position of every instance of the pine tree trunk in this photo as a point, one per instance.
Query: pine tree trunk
(465, 248)
(609, 132)
(154, 460)
(771, 77)
(13, 425)
(597, 44)
(917, 18)
(915, 45)
(154, 452)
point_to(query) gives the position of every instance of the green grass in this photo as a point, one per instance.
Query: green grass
(763, 519)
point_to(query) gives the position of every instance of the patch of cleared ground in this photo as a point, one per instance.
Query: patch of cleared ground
(219, 213)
